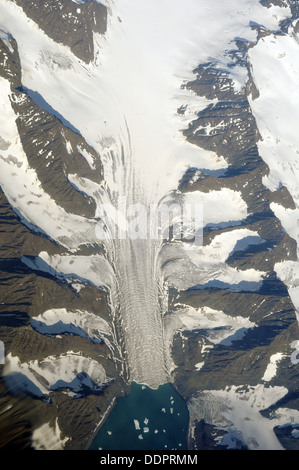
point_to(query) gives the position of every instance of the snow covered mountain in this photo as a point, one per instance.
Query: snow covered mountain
(111, 113)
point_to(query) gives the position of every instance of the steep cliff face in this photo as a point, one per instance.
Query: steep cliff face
(135, 102)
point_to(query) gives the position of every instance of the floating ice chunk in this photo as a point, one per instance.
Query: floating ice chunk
(137, 425)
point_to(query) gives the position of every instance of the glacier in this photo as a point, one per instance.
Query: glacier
(125, 104)
(174, 303)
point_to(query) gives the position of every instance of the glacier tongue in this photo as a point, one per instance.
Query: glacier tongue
(139, 293)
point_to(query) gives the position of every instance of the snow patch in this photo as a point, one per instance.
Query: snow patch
(68, 371)
(271, 370)
(81, 323)
(220, 327)
(236, 411)
(47, 437)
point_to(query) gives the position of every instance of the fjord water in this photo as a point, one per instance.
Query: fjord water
(146, 419)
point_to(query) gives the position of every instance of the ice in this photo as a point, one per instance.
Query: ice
(93, 270)
(276, 113)
(271, 370)
(288, 272)
(81, 323)
(24, 192)
(48, 438)
(6, 37)
(236, 411)
(88, 157)
(124, 104)
(279, 144)
(136, 424)
(124, 79)
(199, 266)
(220, 327)
(219, 206)
(70, 371)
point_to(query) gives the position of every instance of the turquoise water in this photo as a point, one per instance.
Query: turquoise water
(145, 419)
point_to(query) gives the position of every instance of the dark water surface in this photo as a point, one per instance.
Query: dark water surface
(145, 419)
